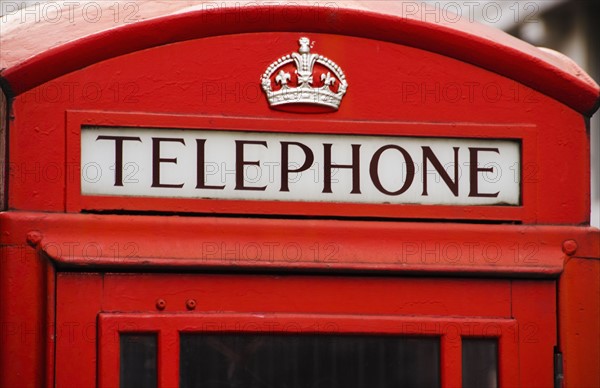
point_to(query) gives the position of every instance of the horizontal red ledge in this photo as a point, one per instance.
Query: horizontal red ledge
(142, 242)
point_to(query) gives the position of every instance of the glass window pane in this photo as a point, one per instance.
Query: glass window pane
(479, 363)
(138, 361)
(308, 361)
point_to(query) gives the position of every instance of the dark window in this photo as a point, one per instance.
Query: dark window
(479, 363)
(308, 361)
(138, 361)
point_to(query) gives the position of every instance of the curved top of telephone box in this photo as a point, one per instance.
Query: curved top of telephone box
(42, 44)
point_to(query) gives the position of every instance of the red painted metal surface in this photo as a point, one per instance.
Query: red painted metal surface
(410, 100)
(49, 50)
(579, 321)
(448, 308)
(402, 69)
(78, 303)
(534, 305)
(26, 317)
(109, 241)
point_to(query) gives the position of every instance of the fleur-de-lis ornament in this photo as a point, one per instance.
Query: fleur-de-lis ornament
(327, 79)
(283, 78)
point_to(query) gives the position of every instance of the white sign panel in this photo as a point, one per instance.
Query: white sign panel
(240, 165)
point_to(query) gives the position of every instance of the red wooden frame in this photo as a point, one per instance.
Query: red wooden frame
(519, 313)
(76, 202)
(168, 326)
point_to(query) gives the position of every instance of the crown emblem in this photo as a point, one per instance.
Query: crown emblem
(316, 81)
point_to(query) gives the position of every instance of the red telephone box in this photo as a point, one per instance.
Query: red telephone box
(325, 195)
